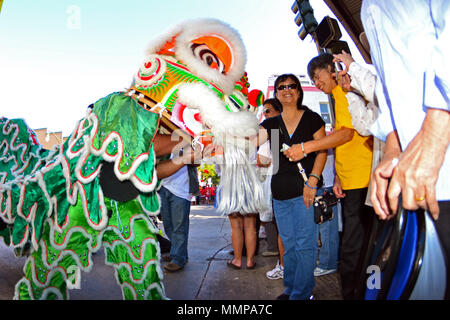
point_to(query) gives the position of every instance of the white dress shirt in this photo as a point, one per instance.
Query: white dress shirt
(409, 41)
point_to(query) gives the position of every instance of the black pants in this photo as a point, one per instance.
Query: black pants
(356, 218)
(442, 225)
(272, 235)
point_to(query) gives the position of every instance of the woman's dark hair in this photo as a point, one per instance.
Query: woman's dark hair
(294, 78)
(274, 103)
(322, 61)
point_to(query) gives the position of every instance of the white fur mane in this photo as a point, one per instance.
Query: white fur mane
(190, 30)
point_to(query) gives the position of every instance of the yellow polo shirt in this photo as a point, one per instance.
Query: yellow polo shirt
(353, 160)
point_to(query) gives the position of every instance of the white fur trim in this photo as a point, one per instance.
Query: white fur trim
(214, 113)
(193, 29)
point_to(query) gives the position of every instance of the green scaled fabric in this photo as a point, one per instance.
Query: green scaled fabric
(131, 248)
(38, 184)
(53, 204)
(20, 150)
(126, 131)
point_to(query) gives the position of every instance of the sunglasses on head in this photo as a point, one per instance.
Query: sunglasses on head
(289, 86)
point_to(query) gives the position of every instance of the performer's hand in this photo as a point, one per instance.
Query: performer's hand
(212, 150)
(191, 155)
(337, 188)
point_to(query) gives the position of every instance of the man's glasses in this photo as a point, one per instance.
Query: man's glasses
(289, 86)
(318, 74)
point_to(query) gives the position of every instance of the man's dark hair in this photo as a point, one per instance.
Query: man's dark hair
(274, 103)
(294, 78)
(322, 61)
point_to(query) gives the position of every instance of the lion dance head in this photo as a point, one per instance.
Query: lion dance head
(194, 75)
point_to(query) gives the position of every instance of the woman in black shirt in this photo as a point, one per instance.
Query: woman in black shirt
(293, 197)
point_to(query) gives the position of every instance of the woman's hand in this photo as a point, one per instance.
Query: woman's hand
(309, 193)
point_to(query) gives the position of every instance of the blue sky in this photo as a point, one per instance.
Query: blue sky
(53, 65)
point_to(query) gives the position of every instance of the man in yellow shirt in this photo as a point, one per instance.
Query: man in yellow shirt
(353, 163)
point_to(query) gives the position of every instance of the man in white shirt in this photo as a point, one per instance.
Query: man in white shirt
(409, 42)
(175, 197)
(175, 210)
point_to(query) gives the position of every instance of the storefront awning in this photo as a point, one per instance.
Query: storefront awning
(348, 13)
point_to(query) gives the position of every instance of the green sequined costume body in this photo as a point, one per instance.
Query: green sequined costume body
(52, 203)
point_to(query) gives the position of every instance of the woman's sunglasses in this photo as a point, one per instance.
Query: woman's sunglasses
(289, 86)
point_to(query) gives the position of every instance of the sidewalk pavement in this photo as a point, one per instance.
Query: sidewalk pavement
(205, 276)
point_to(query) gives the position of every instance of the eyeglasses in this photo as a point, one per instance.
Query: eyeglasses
(319, 74)
(289, 86)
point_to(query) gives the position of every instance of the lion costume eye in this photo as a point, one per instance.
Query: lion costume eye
(204, 53)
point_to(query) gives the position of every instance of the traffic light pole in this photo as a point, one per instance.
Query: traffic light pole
(307, 22)
(330, 98)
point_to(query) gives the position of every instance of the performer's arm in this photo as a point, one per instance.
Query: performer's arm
(166, 144)
(168, 167)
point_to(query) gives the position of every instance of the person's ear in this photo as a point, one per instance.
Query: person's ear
(331, 68)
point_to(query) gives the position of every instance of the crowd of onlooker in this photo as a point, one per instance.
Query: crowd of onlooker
(390, 137)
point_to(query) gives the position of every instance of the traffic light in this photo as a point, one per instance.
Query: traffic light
(327, 31)
(335, 47)
(328, 34)
(305, 18)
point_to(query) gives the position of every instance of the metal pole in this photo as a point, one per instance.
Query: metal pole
(330, 98)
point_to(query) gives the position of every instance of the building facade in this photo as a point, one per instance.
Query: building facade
(49, 139)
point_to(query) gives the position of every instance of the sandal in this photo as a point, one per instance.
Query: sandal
(232, 265)
(252, 267)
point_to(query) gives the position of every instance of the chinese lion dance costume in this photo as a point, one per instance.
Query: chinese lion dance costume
(53, 207)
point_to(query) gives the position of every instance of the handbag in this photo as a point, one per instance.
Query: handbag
(323, 207)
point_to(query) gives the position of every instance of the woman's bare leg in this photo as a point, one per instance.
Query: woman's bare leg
(237, 238)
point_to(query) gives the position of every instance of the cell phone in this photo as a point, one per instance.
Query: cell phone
(338, 68)
(284, 147)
